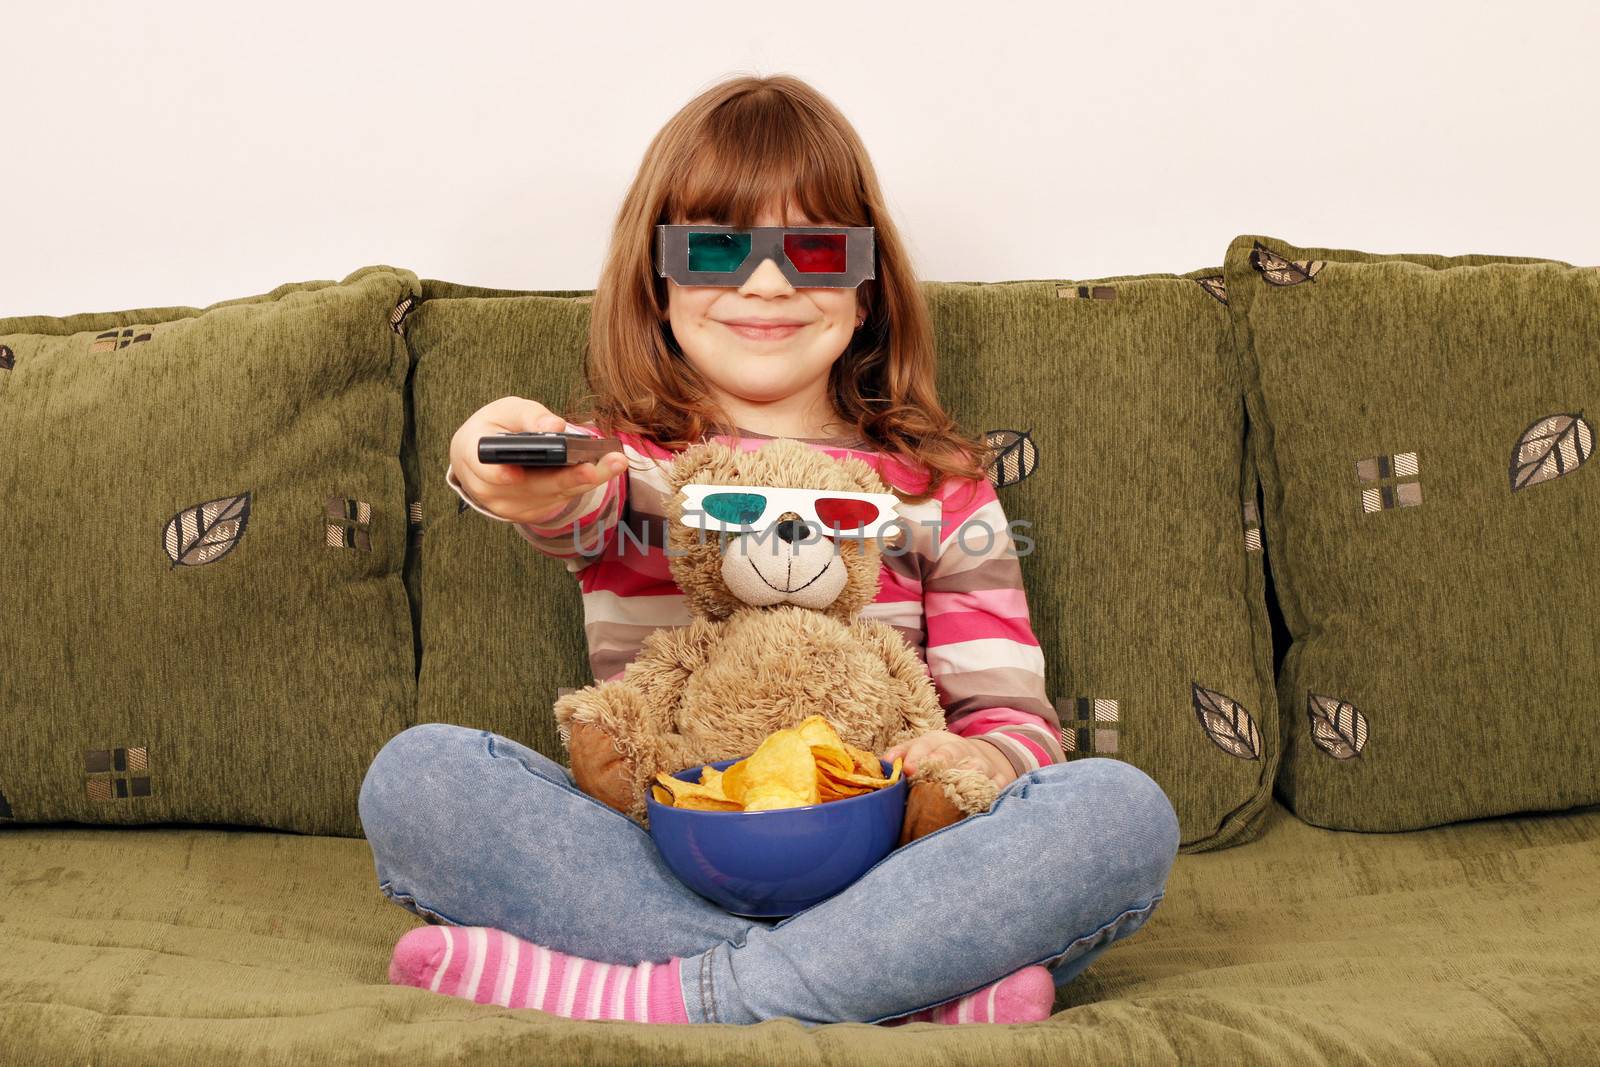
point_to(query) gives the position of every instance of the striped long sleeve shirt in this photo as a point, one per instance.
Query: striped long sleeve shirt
(955, 594)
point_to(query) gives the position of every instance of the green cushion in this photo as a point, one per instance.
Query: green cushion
(502, 627)
(1145, 580)
(204, 530)
(1145, 592)
(1467, 944)
(1434, 557)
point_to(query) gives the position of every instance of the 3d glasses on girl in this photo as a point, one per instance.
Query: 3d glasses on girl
(833, 257)
(754, 508)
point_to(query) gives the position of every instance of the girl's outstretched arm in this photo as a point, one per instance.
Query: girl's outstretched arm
(580, 531)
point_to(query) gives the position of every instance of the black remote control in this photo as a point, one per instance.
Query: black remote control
(549, 448)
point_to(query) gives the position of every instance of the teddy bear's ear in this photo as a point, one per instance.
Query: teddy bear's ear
(708, 461)
(867, 479)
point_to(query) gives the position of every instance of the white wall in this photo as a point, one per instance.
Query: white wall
(188, 152)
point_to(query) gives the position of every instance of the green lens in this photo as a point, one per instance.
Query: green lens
(718, 252)
(740, 508)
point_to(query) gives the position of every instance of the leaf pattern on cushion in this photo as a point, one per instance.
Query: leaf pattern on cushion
(1552, 446)
(1014, 456)
(1226, 722)
(1214, 285)
(206, 532)
(1337, 726)
(1280, 271)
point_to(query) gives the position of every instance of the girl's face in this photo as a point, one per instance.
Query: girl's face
(762, 366)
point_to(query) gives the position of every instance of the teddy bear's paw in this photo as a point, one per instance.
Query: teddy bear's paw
(928, 808)
(618, 709)
(599, 768)
(969, 791)
(605, 705)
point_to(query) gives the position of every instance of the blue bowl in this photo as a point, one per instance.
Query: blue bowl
(771, 864)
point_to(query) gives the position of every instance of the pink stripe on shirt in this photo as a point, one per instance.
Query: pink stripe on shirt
(972, 625)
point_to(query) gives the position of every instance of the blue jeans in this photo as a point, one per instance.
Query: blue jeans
(472, 829)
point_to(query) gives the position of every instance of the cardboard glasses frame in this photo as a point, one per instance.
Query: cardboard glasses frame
(672, 254)
(782, 500)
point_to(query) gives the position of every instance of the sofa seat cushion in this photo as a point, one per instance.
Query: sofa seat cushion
(1472, 943)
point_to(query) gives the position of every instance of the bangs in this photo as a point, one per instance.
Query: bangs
(756, 151)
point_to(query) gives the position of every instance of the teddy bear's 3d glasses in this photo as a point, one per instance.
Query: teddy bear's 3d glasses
(748, 508)
(833, 257)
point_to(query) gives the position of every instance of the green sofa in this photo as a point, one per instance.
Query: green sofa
(277, 579)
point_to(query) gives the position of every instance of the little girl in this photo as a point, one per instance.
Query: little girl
(544, 897)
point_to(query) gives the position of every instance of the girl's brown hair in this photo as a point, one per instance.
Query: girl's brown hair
(745, 143)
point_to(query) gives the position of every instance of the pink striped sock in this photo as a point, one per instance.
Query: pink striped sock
(490, 966)
(1023, 997)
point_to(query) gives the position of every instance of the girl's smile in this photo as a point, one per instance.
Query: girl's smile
(763, 333)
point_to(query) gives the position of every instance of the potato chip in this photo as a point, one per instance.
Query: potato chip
(865, 762)
(815, 730)
(848, 778)
(690, 794)
(702, 803)
(783, 761)
(735, 780)
(791, 768)
(853, 777)
(768, 798)
(825, 744)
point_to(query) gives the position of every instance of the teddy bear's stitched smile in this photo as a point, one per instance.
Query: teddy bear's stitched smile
(795, 589)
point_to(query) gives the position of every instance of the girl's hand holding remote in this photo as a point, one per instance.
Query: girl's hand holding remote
(515, 493)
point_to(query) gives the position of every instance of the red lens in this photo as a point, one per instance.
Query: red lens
(815, 253)
(844, 514)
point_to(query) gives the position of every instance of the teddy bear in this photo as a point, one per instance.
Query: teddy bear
(775, 636)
